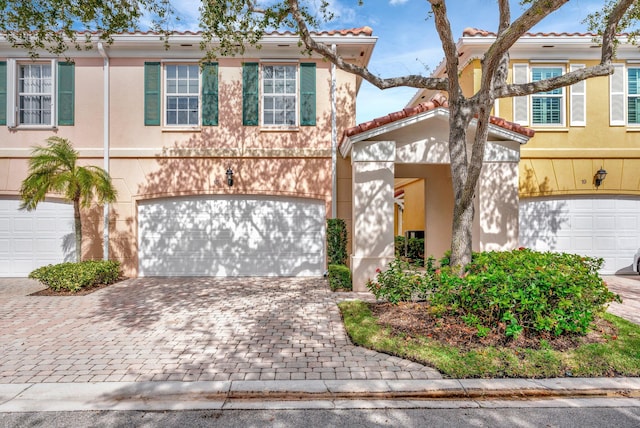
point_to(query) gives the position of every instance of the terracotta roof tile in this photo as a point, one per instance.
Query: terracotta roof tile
(365, 31)
(438, 100)
(476, 32)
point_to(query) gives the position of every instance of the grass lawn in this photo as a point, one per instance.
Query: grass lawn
(617, 356)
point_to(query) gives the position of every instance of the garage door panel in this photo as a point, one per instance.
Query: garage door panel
(31, 239)
(562, 224)
(231, 236)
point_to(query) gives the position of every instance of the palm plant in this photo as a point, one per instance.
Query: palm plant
(54, 169)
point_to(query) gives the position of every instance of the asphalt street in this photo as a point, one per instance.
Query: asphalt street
(582, 417)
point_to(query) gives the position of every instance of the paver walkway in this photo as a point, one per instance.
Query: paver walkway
(185, 329)
(628, 287)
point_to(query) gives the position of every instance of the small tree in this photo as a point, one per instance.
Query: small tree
(54, 169)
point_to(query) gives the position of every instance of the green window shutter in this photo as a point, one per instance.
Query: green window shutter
(250, 94)
(152, 101)
(308, 94)
(66, 96)
(210, 94)
(3, 93)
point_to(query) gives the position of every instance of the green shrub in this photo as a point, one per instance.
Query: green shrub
(401, 282)
(415, 249)
(339, 277)
(398, 242)
(76, 276)
(336, 241)
(524, 290)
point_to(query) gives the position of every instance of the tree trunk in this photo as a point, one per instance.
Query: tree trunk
(463, 211)
(461, 237)
(78, 229)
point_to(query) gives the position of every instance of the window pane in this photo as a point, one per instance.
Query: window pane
(183, 82)
(634, 110)
(34, 94)
(279, 89)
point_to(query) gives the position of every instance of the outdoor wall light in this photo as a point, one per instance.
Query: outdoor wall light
(599, 177)
(230, 177)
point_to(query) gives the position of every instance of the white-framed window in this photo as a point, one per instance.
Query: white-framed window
(32, 93)
(633, 95)
(182, 95)
(35, 94)
(547, 108)
(279, 95)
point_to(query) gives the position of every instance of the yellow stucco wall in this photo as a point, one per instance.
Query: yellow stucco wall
(564, 160)
(413, 214)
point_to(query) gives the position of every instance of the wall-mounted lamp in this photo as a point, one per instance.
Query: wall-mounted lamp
(229, 177)
(599, 177)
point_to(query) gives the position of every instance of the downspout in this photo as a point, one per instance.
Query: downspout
(334, 141)
(106, 124)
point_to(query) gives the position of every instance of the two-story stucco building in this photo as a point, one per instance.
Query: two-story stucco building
(223, 168)
(579, 130)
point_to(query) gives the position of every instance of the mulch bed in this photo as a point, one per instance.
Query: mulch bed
(414, 319)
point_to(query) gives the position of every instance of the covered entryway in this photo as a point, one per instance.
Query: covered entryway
(597, 226)
(413, 143)
(31, 239)
(231, 236)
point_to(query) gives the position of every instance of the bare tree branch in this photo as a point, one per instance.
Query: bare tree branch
(414, 80)
(443, 27)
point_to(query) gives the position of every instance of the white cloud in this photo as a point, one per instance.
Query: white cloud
(397, 2)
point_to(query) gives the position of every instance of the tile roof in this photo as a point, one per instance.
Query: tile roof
(477, 32)
(438, 100)
(365, 31)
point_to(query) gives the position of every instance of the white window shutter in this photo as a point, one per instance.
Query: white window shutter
(617, 96)
(521, 104)
(578, 112)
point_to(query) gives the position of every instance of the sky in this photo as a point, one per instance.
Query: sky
(407, 39)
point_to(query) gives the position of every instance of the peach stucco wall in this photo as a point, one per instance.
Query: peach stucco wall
(157, 162)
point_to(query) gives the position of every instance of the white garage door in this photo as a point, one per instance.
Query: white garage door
(30, 239)
(606, 227)
(231, 236)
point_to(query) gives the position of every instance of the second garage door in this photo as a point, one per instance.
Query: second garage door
(231, 236)
(606, 227)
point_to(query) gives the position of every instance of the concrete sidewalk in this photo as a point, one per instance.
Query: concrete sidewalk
(602, 392)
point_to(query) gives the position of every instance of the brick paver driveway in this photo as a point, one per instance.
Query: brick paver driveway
(185, 329)
(628, 287)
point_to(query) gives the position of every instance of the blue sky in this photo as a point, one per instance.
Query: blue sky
(407, 40)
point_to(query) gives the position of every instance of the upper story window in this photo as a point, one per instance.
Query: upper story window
(35, 94)
(180, 95)
(547, 108)
(633, 96)
(182, 89)
(279, 95)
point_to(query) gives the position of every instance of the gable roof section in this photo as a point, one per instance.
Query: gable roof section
(439, 101)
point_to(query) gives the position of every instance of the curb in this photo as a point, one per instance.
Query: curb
(327, 394)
